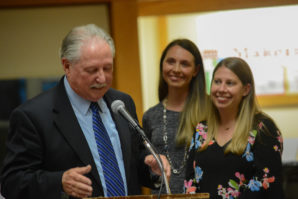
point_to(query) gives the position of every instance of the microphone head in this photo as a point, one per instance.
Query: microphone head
(116, 105)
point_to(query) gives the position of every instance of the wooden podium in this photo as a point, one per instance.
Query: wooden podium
(163, 196)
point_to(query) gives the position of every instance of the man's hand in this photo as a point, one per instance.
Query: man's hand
(75, 184)
(151, 161)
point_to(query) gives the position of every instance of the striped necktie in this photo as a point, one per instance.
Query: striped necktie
(112, 175)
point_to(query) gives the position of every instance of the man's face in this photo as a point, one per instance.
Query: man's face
(92, 75)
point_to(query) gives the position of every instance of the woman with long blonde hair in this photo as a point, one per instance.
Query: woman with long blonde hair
(236, 152)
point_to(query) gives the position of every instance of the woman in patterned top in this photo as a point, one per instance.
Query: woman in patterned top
(236, 152)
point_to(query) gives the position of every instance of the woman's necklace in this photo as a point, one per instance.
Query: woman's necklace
(165, 139)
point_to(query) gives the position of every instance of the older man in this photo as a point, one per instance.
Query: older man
(67, 141)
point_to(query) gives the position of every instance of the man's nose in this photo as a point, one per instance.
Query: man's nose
(100, 76)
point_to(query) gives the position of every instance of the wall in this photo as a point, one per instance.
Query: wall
(30, 38)
(149, 59)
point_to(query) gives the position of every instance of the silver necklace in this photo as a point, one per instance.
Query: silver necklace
(165, 139)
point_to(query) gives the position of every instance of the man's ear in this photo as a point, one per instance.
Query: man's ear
(66, 65)
(246, 88)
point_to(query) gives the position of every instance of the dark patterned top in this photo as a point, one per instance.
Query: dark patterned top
(254, 174)
(153, 126)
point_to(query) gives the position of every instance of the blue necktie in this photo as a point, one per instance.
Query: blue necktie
(112, 175)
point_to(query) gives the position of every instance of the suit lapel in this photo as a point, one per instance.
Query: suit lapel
(68, 125)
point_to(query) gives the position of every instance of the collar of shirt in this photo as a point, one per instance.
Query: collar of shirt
(79, 103)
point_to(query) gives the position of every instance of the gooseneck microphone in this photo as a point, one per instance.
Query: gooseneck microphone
(118, 107)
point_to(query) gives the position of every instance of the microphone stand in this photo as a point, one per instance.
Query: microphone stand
(149, 146)
(118, 107)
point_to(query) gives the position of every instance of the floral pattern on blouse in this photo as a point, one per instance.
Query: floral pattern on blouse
(200, 137)
(254, 185)
(238, 183)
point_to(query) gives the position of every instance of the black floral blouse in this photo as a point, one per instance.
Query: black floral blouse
(254, 174)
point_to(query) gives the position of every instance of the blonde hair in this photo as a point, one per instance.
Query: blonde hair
(194, 110)
(248, 108)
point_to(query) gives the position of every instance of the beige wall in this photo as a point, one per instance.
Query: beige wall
(183, 26)
(148, 36)
(30, 38)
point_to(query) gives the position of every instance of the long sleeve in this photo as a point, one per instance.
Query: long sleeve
(189, 182)
(23, 163)
(267, 150)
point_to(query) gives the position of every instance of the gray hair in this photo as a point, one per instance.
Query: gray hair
(73, 41)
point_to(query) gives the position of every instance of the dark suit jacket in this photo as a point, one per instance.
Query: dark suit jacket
(45, 140)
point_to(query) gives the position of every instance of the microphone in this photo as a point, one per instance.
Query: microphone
(119, 107)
